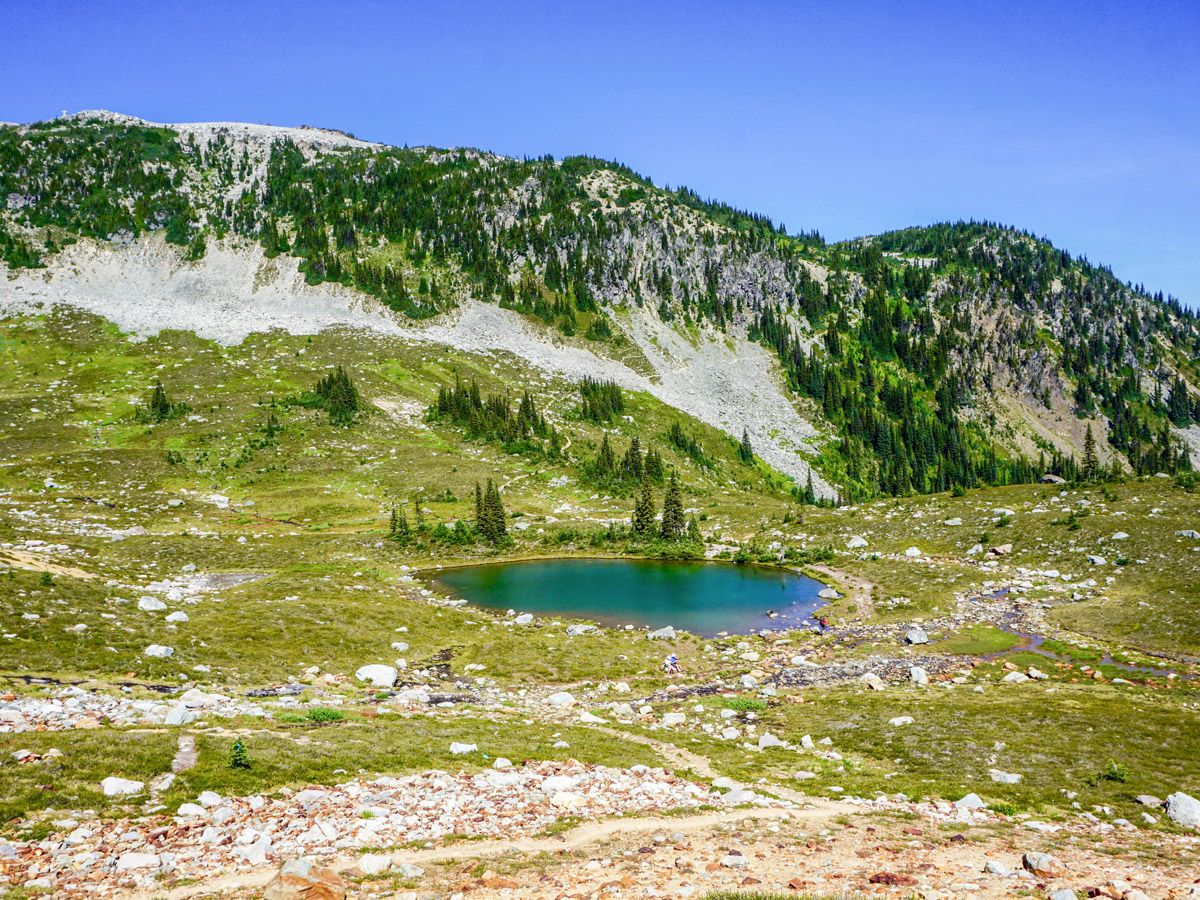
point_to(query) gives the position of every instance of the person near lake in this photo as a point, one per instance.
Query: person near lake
(823, 623)
(671, 665)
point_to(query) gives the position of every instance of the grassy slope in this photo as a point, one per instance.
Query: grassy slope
(332, 591)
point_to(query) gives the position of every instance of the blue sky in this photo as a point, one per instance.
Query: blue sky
(1078, 121)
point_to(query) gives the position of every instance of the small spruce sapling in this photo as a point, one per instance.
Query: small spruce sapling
(238, 757)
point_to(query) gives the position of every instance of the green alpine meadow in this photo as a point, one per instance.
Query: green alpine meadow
(385, 521)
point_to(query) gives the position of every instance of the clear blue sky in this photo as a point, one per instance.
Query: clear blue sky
(1079, 121)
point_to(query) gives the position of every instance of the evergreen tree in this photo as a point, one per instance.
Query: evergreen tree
(491, 519)
(238, 757)
(632, 464)
(653, 465)
(1179, 406)
(1091, 461)
(745, 450)
(337, 394)
(606, 460)
(643, 511)
(478, 506)
(693, 531)
(672, 514)
(159, 408)
(398, 526)
(810, 495)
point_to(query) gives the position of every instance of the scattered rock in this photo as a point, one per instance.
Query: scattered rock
(1003, 777)
(873, 681)
(916, 635)
(970, 802)
(893, 878)
(121, 787)
(158, 651)
(1043, 865)
(374, 863)
(301, 879)
(662, 634)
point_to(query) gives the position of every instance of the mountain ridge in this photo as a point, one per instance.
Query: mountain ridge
(894, 387)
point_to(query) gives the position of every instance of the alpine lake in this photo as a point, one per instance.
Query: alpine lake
(705, 598)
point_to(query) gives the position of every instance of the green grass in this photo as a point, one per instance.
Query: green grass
(1057, 735)
(977, 640)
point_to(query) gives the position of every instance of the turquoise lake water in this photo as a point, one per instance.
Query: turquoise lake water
(703, 598)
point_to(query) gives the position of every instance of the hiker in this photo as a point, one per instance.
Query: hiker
(823, 623)
(671, 665)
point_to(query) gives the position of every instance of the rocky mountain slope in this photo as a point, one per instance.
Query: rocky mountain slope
(912, 361)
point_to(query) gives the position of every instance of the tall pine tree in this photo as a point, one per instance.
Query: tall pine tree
(643, 510)
(672, 514)
(1091, 460)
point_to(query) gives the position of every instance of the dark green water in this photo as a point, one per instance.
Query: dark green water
(703, 598)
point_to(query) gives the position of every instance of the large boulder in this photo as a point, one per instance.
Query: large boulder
(662, 634)
(916, 635)
(856, 543)
(1184, 810)
(380, 676)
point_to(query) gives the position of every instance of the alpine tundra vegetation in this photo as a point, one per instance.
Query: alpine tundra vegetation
(261, 385)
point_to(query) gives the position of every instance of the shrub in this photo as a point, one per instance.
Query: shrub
(745, 704)
(323, 714)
